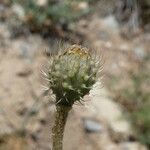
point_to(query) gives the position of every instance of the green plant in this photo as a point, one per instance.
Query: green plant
(136, 100)
(54, 12)
(140, 116)
(141, 120)
(71, 75)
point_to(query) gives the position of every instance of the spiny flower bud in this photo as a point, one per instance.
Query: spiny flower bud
(72, 73)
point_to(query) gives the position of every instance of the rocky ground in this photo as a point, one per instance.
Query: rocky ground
(100, 124)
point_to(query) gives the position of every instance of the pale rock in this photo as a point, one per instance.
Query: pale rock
(108, 44)
(139, 52)
(2, 8)
(110, 111)
(132, 146)
(110, 23)
(92, 126)
(83, 5)
(18, 10)
(41, 2)
(4, 32)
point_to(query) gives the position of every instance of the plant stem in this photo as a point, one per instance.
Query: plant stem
(59, 126)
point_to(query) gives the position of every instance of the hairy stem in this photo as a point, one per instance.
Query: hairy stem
(59, 126)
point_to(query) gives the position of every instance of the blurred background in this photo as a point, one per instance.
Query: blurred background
(117, 115)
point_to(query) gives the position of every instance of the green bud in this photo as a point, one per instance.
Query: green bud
(72, 72)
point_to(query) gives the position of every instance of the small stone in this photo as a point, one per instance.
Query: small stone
(2, 8)
(132, 146)
(110, 23)
(18, 10)
(108, 44)
(24, 72)
(83, 5)
(41, 2)
(92, 126)
(23, 69)
(111, 112)
(139, 52)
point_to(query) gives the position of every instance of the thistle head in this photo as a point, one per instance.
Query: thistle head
(72, 73)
